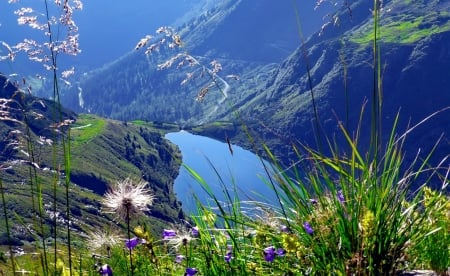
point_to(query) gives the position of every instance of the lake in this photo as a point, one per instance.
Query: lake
(242, 169)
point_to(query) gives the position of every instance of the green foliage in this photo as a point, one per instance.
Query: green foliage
(433, 250)
(405, 29)
(86, 128)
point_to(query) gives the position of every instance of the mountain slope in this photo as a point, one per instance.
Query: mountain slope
(238, 34)
(414, 43)
(102, 153)
(274, 99)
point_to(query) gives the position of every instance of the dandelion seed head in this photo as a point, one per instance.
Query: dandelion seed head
(102, 240)
(179, 237)
(127, 199)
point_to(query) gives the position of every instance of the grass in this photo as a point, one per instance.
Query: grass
(405, 30)
(87, 127)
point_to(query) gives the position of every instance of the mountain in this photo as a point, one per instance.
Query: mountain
(415, 48)
(238, 34)
(272, 95)
(102, 153)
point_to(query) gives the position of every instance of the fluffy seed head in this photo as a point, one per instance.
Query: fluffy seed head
(128, 199)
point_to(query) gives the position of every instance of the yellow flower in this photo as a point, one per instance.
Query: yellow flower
(290, 242)
(209, 217)
(367, 223)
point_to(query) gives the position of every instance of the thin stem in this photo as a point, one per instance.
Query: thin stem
(317, 132)
(8, 232)
(65, 144)
(129, 238)
(67, 182)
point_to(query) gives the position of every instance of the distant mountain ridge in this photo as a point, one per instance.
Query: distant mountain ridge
(236, 33)
(273, 97)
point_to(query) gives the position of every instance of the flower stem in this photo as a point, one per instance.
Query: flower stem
(129, 238)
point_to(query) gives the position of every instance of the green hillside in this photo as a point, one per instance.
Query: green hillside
(102, 152)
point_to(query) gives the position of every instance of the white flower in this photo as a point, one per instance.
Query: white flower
(102, 240)
(127, 199)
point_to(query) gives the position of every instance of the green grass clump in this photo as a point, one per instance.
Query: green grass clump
(405, 30)
(87, 127)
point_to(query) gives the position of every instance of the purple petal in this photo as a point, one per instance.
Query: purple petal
(269, 254)
(194, 231)
(105, 270)
(190, 271)
(280, 252)
(284, 229)
(340, 196)
(308, 228)
(179, 259)
(228, 256)
(169, 233)
(132, 243)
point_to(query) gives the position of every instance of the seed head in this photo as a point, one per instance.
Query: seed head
(128, 199)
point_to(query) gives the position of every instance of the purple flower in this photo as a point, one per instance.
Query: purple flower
(190, 271)
(340, 196)
(269, 254)
(194, 231)
(168, 234)
(284, 229)
(132, 243)
(105, 270)
(228, 257)
(229, 254)
(308, 228)
(179, 259)
(313, 201)
(280, 252)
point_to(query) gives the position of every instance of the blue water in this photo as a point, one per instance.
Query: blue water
(243, 169)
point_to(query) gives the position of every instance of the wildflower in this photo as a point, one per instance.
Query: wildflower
(105, 270)
(313, 201)
(190, 271)
(102, 239)
(140, 232)
(280, 252)
(181, 239)
(128, 199)
(229, 254)
(340, 196)
(269, 254)
(132, 243)
(194, 231)
(209, 217)
(179, 259)
(308, 228)
(284, 229)
(169, 234)
(290, 242)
